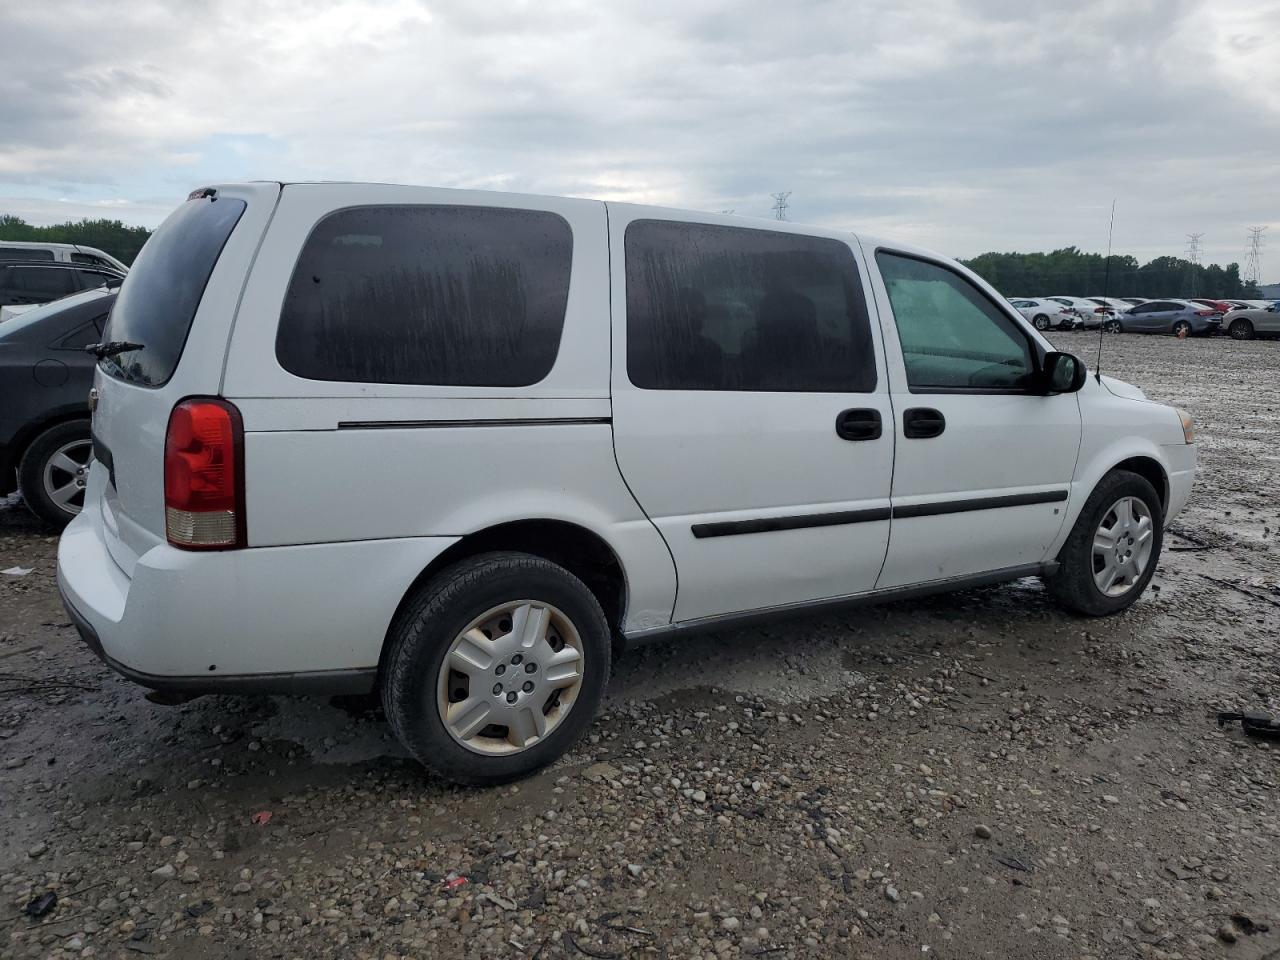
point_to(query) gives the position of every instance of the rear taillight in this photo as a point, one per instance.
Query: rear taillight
(1206, 313)
(1100, 309)
(204, 476)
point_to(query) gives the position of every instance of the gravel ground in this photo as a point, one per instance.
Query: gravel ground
(977, 775)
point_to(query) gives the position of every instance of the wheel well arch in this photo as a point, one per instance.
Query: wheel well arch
(582, 552)
(1149, 469)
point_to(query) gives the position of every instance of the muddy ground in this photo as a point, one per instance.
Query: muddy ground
(977, 775)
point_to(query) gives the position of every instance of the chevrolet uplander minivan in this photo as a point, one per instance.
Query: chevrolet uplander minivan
(461, 447)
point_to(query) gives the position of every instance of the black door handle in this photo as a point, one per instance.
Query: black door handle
(921, 423)
(860, 423)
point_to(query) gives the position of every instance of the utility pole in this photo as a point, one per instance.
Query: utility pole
(1253, 266)
(780, 204)
(1193, 262)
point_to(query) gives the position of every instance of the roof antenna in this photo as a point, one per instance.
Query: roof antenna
(1106, 282)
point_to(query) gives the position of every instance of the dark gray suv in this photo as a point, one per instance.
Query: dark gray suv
(45, 376)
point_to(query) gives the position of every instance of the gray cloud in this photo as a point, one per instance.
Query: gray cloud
(992, 124)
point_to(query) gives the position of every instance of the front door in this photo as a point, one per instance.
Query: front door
(983, 466)
(751, 413)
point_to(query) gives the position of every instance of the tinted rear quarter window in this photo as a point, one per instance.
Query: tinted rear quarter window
(432, 295)
(731, 308)
(25, 253)
(159, 298)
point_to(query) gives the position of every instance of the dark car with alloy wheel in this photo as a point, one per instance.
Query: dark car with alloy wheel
(45, 376)
(1181, 318)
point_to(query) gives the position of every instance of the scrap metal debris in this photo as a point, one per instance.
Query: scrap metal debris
(1253, 724)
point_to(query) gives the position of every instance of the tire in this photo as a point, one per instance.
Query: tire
(1182, 329)
(53, 471)
(1040, 322)
(1241, 329)
(1113, 326)
(415, 683)
(1075, 585)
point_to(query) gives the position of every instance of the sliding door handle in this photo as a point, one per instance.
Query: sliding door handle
(859, 424)
(921, 423)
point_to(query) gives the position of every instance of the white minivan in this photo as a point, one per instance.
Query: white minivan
(462, 447)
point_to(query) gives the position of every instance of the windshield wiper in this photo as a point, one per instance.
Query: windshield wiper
(111, 348)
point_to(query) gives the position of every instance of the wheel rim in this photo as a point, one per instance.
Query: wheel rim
(510, 678)
(1042, 323)
(1240, 330)
(65, 474)
(1122, 546)
(1113, 326)
(1181, 329)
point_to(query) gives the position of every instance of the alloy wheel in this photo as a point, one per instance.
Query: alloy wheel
(510, 677)
(65, 474)
(1122, 546)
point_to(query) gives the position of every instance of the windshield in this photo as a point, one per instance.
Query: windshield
(158, 300)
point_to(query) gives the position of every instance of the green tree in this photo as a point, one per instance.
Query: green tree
(1070, 272)
(110, 236)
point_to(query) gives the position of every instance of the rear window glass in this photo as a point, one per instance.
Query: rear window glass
(446, 295)
(24, 253)
(159, 298)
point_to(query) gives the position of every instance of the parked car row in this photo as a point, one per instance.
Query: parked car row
(1242, 319)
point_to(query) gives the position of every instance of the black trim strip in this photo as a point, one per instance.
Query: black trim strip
(730, 528)
(733, 528)
(506, 422)
(979, 503)
(752, 618)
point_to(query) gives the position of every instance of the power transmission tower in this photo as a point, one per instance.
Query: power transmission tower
(1193, 262)
(780, 204)
(1253, 266)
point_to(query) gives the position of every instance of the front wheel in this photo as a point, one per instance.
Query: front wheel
(1112, 551)
(1113, 326)
(1182, 329)
(1241, 329)
(495, 668)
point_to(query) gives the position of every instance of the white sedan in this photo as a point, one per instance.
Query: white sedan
(1046, 314)
(1091, 313)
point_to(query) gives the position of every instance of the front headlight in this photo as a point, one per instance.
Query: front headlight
(1188, 426)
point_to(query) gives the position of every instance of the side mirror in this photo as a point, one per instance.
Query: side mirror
(1062, 373)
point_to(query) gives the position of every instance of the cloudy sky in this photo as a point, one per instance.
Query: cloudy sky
(964, 126)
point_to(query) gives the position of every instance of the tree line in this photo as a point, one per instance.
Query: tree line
(1073, 273)
(110, 236)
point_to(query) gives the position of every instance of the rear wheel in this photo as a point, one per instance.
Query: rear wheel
(54, 470)
(1112, 551)
(1040, 321)
(496, 667)
(1182, 329)
(1241, 329)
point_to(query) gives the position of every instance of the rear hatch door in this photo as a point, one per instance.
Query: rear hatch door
(178, 302)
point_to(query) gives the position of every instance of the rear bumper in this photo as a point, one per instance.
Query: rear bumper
(298, 619)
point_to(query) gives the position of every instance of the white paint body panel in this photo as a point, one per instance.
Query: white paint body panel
(243, 612)
(700, 456)
(994, 445)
